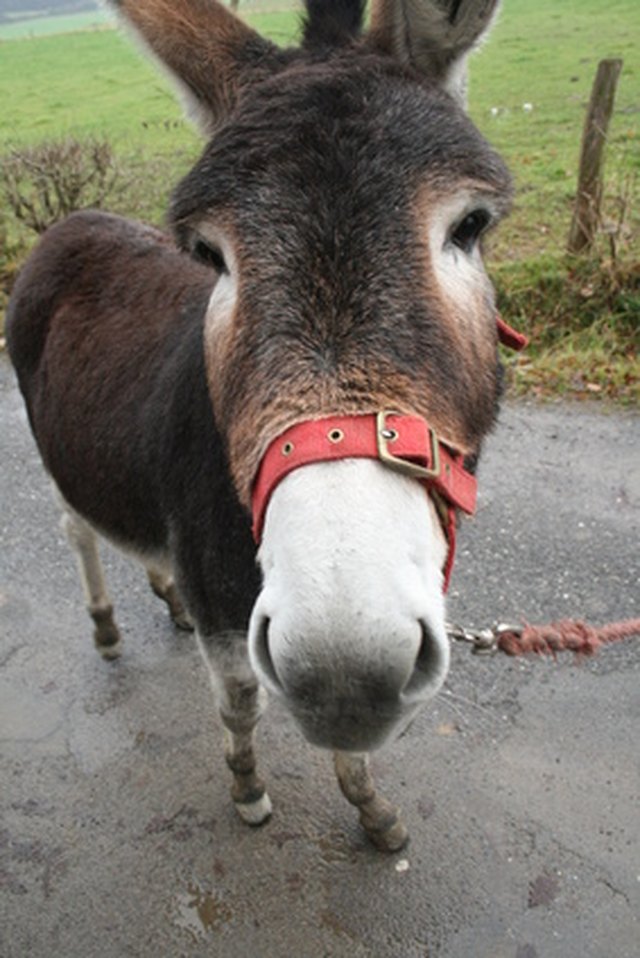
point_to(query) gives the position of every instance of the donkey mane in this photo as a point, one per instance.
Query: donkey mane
(331, 23)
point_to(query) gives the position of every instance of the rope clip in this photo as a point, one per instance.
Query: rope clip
(482, 641)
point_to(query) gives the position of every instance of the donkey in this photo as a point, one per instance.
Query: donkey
(316, 345)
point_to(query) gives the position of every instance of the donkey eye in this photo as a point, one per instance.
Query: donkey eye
(209, 256)
(468, 231)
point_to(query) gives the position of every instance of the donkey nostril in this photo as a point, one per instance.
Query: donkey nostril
(431, 662)
(262, 652)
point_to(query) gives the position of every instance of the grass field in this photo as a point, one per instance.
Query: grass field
(42, 26)
(543, 55)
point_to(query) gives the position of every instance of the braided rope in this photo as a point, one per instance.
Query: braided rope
(566, 635)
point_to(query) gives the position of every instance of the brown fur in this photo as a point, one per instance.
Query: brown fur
(210, 51)
(323, 180)
(342, 186)
(346, 290)
(430, 35)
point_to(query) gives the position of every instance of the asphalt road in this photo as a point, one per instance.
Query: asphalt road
(520, 785)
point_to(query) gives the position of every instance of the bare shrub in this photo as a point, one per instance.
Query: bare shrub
(42, 184)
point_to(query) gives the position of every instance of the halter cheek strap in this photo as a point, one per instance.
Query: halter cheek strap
(510, 337)
(406, 444)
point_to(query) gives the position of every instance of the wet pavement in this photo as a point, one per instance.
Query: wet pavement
(520, 785)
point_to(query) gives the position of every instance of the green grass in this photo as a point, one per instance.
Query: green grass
(582, 315)
(546, 54)
(42, 26)
(94, 83)
(82, 84)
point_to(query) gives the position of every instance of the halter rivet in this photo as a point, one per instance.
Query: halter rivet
(336, 435)
(389, 434)
(287, 449)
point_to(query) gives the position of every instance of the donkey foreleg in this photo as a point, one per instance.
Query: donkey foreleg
(241, 702)
(84, 542)
(164, 587)
(379, 818)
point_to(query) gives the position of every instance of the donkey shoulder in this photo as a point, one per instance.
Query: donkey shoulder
(63, 263)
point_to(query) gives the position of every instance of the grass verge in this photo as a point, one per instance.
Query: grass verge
(582, 319)
(529, 91)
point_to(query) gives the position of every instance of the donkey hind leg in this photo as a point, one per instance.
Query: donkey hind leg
(379, 818)
(84, 542)
(165, 588)
(241, 701)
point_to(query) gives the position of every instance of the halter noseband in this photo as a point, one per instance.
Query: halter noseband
(406, 444)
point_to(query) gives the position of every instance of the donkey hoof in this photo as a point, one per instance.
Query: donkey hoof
(392, 840)
(255, 813)
(168, 592)
(384, 826)
(108, 642)
(106, 634)
(110, 652)
(182, 620)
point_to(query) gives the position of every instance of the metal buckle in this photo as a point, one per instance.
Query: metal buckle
(384, 435)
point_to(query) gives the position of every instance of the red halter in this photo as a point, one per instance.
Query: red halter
(406, 444)
(510, 337)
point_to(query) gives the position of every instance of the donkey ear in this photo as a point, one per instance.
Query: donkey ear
(433, 36)
(209, 53)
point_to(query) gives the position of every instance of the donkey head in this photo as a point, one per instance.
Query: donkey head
(341, 200)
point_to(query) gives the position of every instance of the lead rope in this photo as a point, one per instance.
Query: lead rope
(566, 635)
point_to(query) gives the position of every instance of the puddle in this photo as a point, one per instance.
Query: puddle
(200, 912)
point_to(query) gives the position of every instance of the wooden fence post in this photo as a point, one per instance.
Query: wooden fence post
(586, 212)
